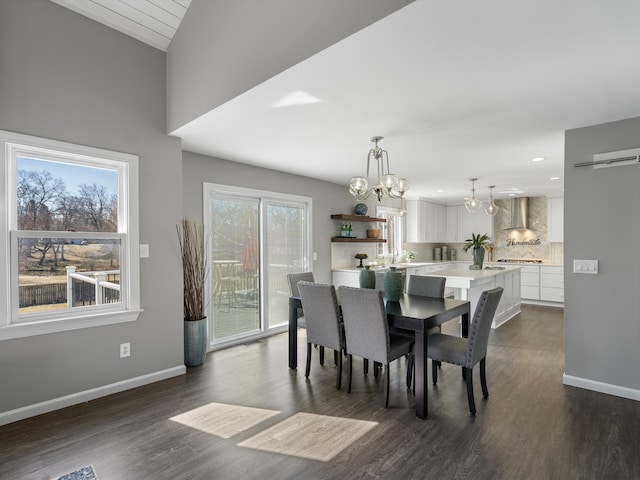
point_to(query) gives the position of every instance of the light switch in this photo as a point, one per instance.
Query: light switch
(585, 266)
(144, 250)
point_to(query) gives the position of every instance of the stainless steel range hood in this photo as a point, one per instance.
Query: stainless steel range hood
(519, 214)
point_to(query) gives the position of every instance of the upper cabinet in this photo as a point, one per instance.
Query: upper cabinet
(461, 224)
(555, 219)
(430, 222)
(425, 221)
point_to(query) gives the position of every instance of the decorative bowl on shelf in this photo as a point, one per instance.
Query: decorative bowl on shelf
(361, 256)
(373, 233)
(360, 209)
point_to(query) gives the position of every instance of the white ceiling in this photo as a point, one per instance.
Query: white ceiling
(459, 89)
(151, 21)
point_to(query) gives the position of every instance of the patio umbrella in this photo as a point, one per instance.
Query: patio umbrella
(250, 248)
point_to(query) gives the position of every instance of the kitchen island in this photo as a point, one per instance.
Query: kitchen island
(469, 284)
(349, 276)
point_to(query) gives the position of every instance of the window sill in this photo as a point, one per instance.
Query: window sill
(45, 327)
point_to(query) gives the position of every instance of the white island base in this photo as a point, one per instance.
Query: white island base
(469, 285)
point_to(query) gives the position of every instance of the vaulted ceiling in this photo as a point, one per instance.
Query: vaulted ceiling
(459, 89)
(150, 21)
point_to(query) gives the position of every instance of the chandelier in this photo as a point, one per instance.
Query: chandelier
(388, 184)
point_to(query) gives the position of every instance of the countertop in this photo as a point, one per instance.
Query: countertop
(458, 264)
(544, 263)
(476, 274)
(399, 266)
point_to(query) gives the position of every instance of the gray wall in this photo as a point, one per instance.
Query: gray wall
(68, 78)
(327, 197)
(602, 221)
(225, 47)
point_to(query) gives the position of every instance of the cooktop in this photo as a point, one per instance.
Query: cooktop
(519, 260)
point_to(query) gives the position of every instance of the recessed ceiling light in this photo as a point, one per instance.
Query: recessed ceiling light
(554, 178)
(512, 194)
(296, 98)
(537, 159)
(441, 191)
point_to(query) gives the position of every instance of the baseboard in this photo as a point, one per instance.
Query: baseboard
(543, 303)
(607, 388)
(87, 395)
(502, 321)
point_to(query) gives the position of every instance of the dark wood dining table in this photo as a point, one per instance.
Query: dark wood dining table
(412, 312)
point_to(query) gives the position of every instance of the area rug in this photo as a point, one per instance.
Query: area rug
(223, 420)
(85, 473)
(306, 435)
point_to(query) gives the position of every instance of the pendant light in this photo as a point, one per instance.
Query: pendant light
(491, 209)
(473, 204)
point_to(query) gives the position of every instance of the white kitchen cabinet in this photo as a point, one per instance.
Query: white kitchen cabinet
(466, 223)
(483, 223)
(510, 302)
(452, 225)
(425, 221)
(530, 282)
(469, 285)
(428, 270)
(425, 269)
(349, 279)
(461, 224)
(555, 220)
(552, 283)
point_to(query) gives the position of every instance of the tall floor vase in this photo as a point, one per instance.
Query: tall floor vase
(195, 342)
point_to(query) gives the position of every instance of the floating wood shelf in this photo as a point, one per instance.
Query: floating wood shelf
(358, 240)
(356, 218)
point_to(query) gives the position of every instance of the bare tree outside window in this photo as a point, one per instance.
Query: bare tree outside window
(51, 198)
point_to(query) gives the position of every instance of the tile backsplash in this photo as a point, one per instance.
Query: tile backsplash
(528, 244)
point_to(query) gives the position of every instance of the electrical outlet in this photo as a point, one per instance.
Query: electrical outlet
(125, 350)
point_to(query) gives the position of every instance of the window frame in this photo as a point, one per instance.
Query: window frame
(13, 325)
(386, 248)
(264, 198)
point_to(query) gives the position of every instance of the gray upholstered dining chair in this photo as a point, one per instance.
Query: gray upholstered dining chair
(367, 332)
(426, 287)
(292, 280)
(468, 352)
(323, 322)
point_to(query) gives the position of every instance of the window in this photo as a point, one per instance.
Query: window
(70, 236)
(392, 231)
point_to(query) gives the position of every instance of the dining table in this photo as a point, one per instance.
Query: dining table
(412, 312)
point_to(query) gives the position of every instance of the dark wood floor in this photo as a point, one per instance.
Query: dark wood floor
(531, 426)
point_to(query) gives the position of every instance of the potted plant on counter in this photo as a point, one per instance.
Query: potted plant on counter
(194, 273)
(409, 255)
(477, 242)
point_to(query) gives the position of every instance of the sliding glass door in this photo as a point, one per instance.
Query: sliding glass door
(235, 299)
(285, 253)
(256, 239)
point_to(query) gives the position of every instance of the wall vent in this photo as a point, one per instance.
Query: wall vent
(613, 159)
